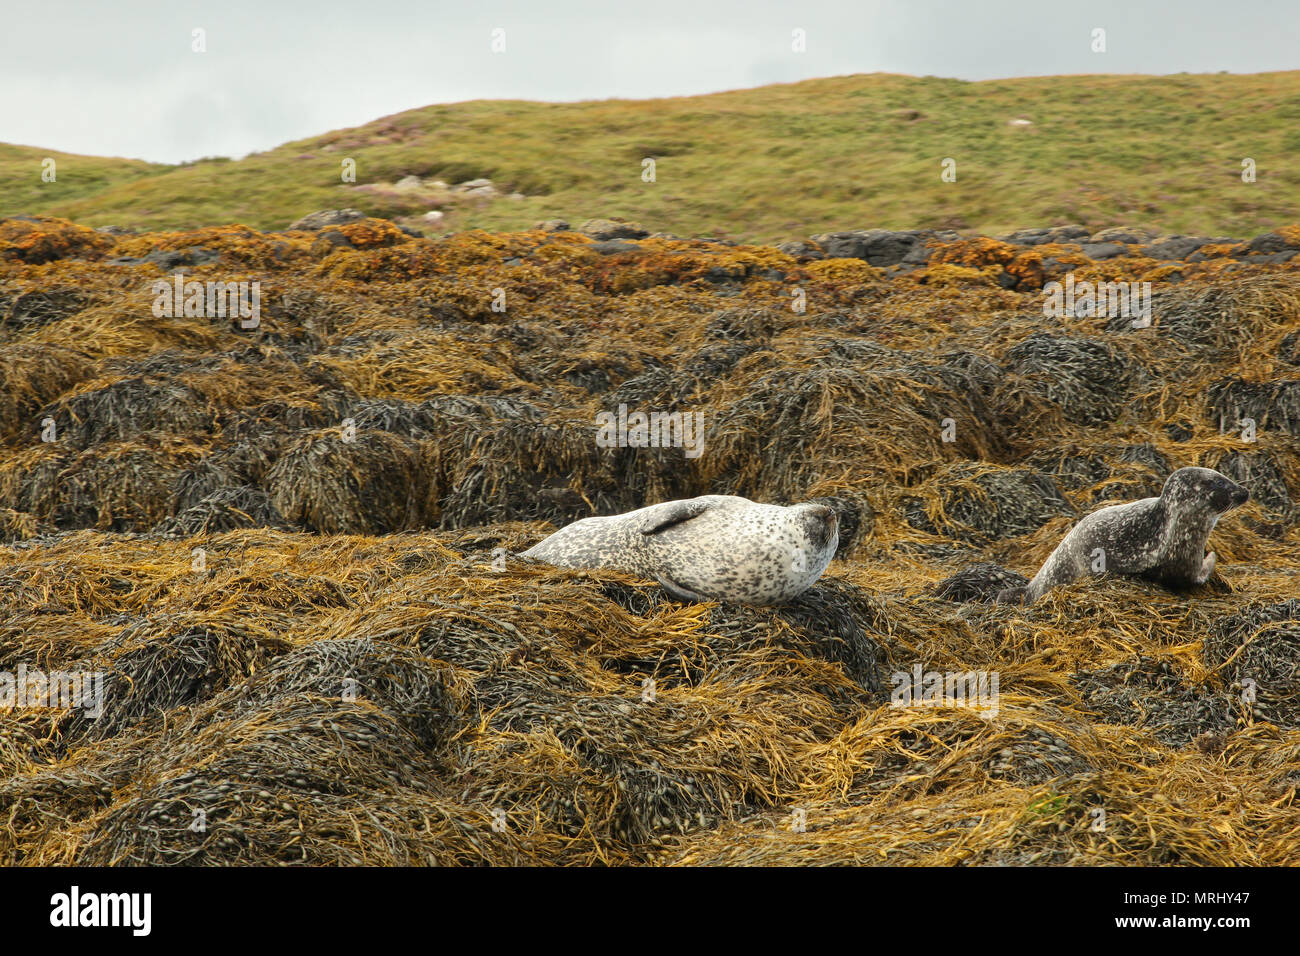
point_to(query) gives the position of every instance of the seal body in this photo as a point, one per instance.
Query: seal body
(1161, 539)
(715, 547)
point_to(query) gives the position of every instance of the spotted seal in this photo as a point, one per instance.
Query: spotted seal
(1161, 539)
(715, 547)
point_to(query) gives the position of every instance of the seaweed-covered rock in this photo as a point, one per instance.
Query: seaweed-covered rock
(1090, 382)
(979, 582)
(985, 504)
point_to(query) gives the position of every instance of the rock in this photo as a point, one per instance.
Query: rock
(413, 233)
(604, 229)
(516, 196)
(1020, 121)
(1038, 237)
(334, 238)
(802, 251)
(433, 215)
(882, 247)
(612, 247)
(1026, 237)
(1123, 234)
(168, 259)
(1176, 247)
(1276, 258)
(1073, 233)
(327, 217)
(1102, 250)
(114, 230)
(1270, 243)
(472, 184)
(553, 225)
(408, 183)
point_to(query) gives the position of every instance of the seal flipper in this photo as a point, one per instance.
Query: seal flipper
(677, 591)
(664, 516)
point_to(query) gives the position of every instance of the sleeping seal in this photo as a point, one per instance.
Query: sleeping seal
(715, 547)
(1160, 539)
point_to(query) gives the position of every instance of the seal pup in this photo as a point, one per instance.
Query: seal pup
(1160, 539)
(715, 547)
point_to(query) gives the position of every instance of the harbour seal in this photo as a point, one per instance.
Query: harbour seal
(1160, 539)
(715, 547)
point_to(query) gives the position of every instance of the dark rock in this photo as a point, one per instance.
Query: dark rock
(613, 247)
(1038, 237)
(1123, 234)
(1177, 247)
(1102, 250)
(327, 217)
(334, 238)
(1270, 243)
(1072, 233)
(882, 247)
(168, 259)
(1026, 237)
(802, 251)
(605, 229)
(1276, 258)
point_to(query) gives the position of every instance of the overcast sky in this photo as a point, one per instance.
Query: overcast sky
(119, 77)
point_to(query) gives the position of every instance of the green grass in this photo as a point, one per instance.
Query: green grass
(767, 164)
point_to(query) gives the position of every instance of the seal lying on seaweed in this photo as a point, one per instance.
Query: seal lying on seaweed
(715, 547)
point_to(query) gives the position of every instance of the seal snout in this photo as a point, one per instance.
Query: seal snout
(1230, 495)
(823, 523)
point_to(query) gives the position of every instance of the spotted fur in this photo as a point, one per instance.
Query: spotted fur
(716, 547)
(1161, 539)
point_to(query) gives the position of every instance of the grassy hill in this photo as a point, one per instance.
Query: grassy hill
(766, 164)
